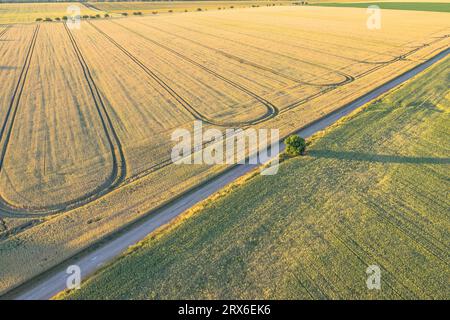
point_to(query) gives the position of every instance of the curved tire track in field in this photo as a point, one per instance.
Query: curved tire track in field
(6, 129)
(272, 110)
(401, 57)
(118, 179)
(118, 173)
(47, 284)
(405, 55)
(394, 59)
(379, 66)
(347, 78)
(233, 57)
(5, 29)
(166, 162)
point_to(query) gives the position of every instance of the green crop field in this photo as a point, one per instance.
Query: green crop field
(415, 6)
(372, 190)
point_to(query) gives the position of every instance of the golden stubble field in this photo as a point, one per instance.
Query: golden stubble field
(87, 114)
(29, 12)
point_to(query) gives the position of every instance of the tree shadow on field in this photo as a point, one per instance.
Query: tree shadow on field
(360, 156)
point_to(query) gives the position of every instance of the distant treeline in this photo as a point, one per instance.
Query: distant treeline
(41, 1)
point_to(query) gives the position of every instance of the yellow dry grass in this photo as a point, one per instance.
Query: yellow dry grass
(90, 135)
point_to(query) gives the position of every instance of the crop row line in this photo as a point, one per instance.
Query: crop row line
(364, 256)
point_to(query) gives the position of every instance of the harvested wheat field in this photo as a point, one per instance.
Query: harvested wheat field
(161, 7)
(29, 12)
(87, 113)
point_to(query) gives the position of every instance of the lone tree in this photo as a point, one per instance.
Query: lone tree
(295, 145)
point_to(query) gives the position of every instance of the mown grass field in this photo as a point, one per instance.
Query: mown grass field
(415, 6)
(87, 114)
(373, 189)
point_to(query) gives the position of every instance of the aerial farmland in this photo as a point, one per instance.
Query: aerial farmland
(87, 112)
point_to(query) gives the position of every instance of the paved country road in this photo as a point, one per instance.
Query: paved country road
(55, 281)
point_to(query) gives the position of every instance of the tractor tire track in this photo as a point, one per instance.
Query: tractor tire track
(118, 173)
(327, 89)
(167, 162)
(272, 111)
(394, 59)
(46, 285)
(119, 163)
(401, 57)
(5, 30)
(347, 78)
(6, 129)
(236, 58)
(91, 7)
(13, 212)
